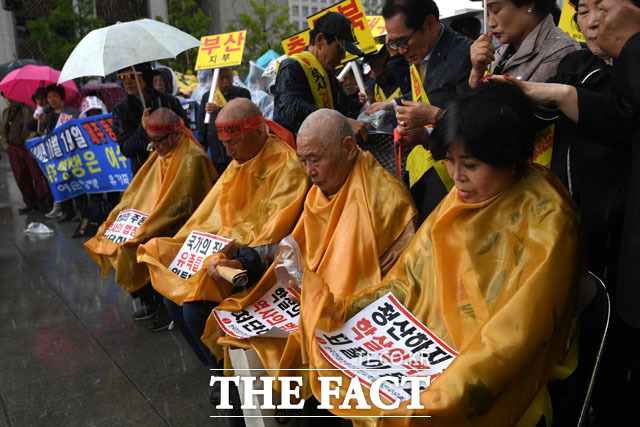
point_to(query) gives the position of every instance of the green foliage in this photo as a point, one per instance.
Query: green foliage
(60, 32)
(187, 16)
(267, 24)
(371, 7)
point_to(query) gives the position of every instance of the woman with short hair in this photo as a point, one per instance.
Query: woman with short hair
(531, 46)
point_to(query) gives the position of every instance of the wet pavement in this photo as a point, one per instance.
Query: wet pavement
(70, 352)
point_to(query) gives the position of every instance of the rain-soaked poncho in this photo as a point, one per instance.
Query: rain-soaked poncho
(169, 188)
(495, 280)
(258, 86)
(341, 238)
(255, 203)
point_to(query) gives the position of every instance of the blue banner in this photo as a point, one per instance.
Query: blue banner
(82, 156)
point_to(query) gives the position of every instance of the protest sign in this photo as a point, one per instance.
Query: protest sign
(194, 250)
(126, 226)
(221, 50)
(82, 156)
(543, 145)
(296, 43)
(567, 24)
(273, 315)
(384, 340)
(377, 26)
(353, 10)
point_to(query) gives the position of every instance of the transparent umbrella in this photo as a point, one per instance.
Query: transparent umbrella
(123, 45)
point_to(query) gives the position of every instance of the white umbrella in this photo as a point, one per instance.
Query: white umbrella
(123, 45)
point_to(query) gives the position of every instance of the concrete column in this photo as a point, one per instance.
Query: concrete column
(8, 48)
(159, 8)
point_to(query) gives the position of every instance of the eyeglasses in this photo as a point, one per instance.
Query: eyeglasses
(342, 48)
(130, 76)
(156, 140)
(395, 44)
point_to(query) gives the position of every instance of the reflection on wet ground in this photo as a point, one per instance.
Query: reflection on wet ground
(70, 352)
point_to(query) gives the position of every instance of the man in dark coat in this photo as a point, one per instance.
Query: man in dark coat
(207, 133)
(442, 58)
(129, 116)
(294, 97)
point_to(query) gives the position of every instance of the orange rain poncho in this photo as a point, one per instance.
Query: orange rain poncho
(342, 239)
(168, 188)
(496, 281)
(256, 203)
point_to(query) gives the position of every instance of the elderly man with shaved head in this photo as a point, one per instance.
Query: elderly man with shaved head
(357, 218)
(256, 202)
(161, 197)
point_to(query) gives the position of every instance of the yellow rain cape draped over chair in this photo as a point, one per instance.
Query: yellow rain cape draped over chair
(496, 281)
(341, 238)
(256, 203)
(168, 189)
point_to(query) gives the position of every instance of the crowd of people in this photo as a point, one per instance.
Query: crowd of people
(480, 243)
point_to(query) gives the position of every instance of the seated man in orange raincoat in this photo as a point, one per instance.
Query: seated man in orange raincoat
(256, 202)
(161, 197)
(357, 218)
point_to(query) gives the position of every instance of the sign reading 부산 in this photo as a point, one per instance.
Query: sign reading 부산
(82, 156)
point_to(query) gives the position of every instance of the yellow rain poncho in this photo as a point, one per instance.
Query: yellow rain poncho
(168, 188)
(342, 239)
(256, 203)
(496, 281)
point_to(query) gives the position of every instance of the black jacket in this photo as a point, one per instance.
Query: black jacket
(208, 135)
(595, 170)
(127, 125)
(449, 68)
(293, 100)
(447, 77)
(599, 114)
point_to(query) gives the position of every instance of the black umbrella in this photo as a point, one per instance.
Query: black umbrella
(8, 67)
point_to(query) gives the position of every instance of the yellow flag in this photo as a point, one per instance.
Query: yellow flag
(219, 98)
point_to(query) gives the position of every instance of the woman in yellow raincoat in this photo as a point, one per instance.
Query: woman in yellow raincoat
(491, 272)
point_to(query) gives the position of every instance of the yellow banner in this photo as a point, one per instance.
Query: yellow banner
(221, 50)
(296, 43)
(417, 89)
(353, 10)
(187, 83)
(377, 25)
(219, 99)
(381, 97)
(543, 147)
(317, 78)
(567, 23)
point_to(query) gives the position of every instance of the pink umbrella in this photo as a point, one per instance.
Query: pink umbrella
(22, 83)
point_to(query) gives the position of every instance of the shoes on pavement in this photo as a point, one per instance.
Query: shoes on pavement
(147, 312)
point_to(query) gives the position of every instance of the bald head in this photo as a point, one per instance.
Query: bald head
(236, 109)
(327, 149)
(164, 130)
(163, 115)
(243, 147)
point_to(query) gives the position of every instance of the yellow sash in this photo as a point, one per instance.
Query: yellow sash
(219, 98)
(381, 97)
(168, 188)
(496, 281)
(420, 160)
(317, 78)
(543, 145)
(342, 239)
(255, 203)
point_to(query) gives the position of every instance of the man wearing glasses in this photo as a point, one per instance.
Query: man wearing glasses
(129, 116)
(442, 59)
(305, 82)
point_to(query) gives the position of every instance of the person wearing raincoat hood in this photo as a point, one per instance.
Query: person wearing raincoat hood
(161, 197)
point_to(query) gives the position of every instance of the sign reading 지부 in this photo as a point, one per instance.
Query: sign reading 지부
(377, 25)
(353, 10)
(273, 315)
(126, 226)
(221, 50)
(82, 156)
(385, 339)
(194, 250)
(296, 43)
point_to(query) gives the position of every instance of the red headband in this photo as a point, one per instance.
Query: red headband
(240, 127)
(165, 128)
